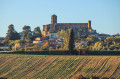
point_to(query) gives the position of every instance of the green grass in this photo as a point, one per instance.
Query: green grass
(16, 66)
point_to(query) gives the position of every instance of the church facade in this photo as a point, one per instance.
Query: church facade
(78, 28)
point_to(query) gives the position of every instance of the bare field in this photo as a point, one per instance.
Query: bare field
(58, 67)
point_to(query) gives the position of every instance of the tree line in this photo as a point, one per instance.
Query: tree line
(26, 34)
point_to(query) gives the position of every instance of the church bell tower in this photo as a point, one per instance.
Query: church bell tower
(53, 19)
(89, 24)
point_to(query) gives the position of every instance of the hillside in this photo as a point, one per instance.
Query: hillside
(54, 67)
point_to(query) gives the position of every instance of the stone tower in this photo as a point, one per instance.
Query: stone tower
(89, 24)
(53, 19)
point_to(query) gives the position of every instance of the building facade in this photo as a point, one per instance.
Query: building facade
(78, 28)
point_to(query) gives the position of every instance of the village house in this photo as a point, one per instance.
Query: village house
(40, 41)
(102, 37)
(52, 41)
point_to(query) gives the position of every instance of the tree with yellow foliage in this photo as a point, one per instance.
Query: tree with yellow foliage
(98, 46)
(46, 46)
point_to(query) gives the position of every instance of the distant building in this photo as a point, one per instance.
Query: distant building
(116, 35)
(78, 28)
(37, 40)
(102, 37)
(40, 41)
(18, 46)
(4, 47)
(53, 42)
(83, 41)
(53, 35)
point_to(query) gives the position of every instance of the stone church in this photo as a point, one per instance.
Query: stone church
(78, 28)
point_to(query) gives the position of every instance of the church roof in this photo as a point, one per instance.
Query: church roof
(72, 24)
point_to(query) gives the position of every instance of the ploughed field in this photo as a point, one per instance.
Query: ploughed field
(54, 67)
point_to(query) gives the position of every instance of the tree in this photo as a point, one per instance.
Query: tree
(27, 34)
(113, 47)
(37, 33)
(109, 41)
(16, 35)
(68, 37)
(12, 34)
(117, 39)
(71, 40)
(46, 46)
(92, 38)
(65, 36)
(98, 46)
(88, 43)
(58, 46)
(80, 46)
(35, 48)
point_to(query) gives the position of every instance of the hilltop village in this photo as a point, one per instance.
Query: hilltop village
(53, 37)
(78, 28)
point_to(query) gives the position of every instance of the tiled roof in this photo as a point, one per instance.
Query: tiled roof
(72, 24)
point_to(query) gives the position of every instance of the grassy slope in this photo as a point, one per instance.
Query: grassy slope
(50, 67)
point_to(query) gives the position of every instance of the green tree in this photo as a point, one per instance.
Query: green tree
(71, 40)
(35, 48)
(50, 48)
(12, 34)
(37, 32)
(92, 38)
(27, 34)
(80, 46)
(113, 47)
(88, 45)
(117, 39)
(68, 37)
(65, 36)
(58, 46)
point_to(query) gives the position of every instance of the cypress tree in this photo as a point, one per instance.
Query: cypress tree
(71, 41)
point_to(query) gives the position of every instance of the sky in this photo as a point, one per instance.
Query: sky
(104, 14)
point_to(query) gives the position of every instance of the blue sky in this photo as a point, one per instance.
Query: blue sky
(104, 14)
